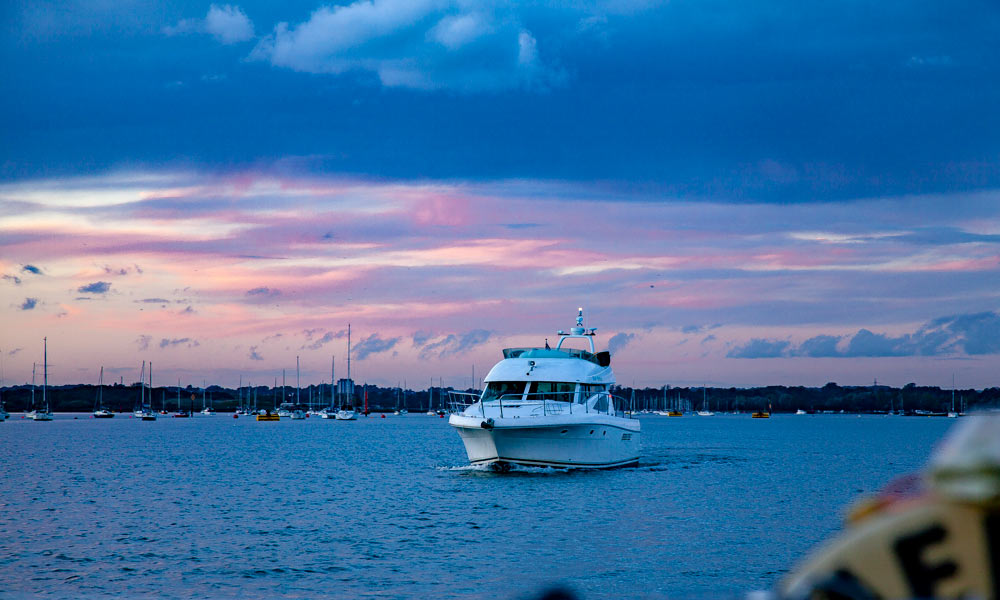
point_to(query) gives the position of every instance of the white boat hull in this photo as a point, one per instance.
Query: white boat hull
(347, 415)
(40, 416)
(570, 442)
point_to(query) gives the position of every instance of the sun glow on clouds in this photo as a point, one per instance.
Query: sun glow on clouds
(181, 253)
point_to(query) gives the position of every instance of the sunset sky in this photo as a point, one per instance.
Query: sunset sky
(736, 193)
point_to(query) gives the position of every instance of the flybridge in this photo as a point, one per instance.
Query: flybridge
(602, 359)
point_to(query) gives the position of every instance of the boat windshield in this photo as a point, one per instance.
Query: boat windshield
(552, 390)
(496, 389)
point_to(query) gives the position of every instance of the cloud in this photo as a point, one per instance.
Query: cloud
(14, 351)
(167, 343)
(263, 294)
(328, 337)
(143, 341)
(227, 23)
(422, 44)
(188, 310)
(29, 303)
(760, 348)
(316, 345)
(31, 269)
(455, 344)
(969, 334)
(154, 301)
(819, 346)
(254, 355)
(98, 287)
(619, 340)
(421, 337)
(373, 344)
(12, 278)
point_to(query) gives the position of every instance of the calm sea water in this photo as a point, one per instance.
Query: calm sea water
(219, 508)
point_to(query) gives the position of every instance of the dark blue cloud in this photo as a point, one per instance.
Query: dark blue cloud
(968, 334)
(373, 344)
(98, 287)
(652, 96)
(819, 346)
(31, 269)
(619, 340)
(760, 348)
(29, 303)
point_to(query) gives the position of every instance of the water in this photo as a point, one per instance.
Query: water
(213, 507)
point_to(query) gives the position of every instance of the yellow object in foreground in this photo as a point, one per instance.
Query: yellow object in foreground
(269, 417)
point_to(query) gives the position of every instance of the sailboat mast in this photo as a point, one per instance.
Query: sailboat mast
(150, 385)
(45, 372)
(33, 386)
(297, 385)
(333, 381)
(348, 351)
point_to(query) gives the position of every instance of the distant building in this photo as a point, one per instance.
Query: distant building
(345, 388)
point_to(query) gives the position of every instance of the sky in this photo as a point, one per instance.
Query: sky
(736, 193)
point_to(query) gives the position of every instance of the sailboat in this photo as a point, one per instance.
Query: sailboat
(704, 412)
(347, 413)
(30, 413)
(99, 411)
(147, 413)
(44, 414)
(206, 407)
(4, 415)
(952, 414)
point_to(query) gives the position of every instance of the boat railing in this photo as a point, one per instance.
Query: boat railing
(549, 403)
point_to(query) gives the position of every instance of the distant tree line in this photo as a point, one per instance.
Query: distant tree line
(831, 397)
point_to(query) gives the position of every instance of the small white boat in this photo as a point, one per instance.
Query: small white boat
(298, 415)
(536, 410)
(346, 414)
(801, 412)
(208, 412)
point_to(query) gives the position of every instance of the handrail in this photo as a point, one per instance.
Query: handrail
(540, 398)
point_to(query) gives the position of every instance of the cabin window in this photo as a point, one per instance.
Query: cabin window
(510, 390)
(551, 390)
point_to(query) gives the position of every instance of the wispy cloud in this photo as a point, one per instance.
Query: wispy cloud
(143, 341)
(254, 355)
(373, 344)
(14, 351)
(12, 278)
(453, 344)
(188, 342)
(29, 303)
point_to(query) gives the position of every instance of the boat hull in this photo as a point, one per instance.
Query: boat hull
(575, 445)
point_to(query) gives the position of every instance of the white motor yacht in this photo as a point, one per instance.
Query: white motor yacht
(551, 408)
